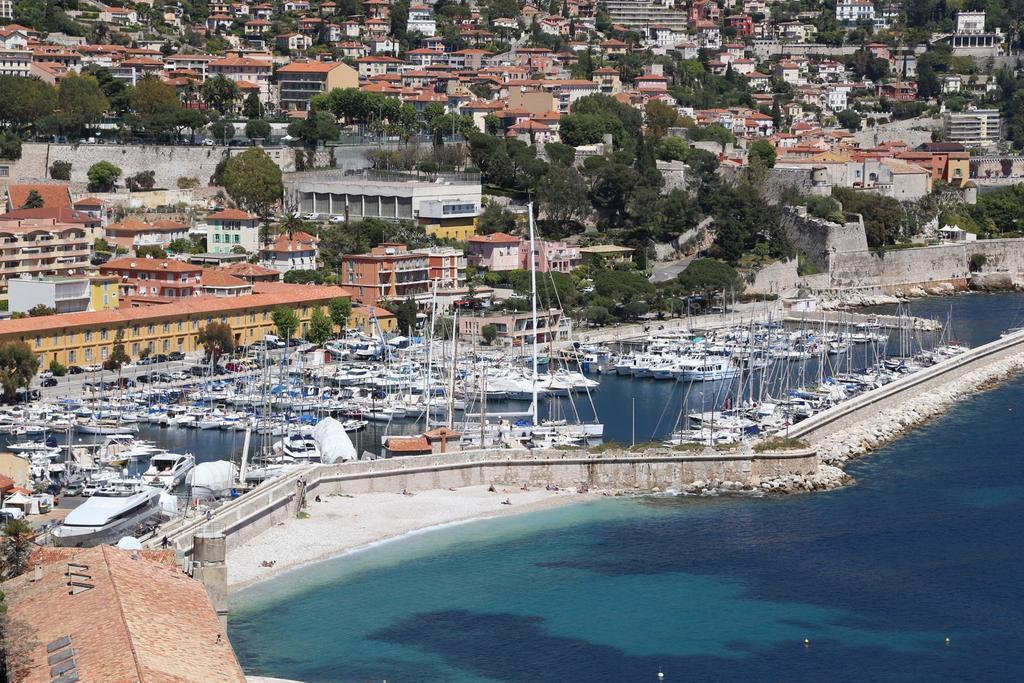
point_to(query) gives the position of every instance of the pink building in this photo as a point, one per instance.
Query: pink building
(551, 255)
(495, 252)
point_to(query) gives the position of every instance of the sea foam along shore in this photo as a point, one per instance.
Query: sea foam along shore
(341, 524)
(888, 425)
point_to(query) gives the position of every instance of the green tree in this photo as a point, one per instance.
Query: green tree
(60, 170)
(489, 333)
(496, 218)
(81, 102)
(320, 327)
(41, 310)
(660, 117)
(709, 276)
(156, 106)
(220, 92)
(562, 195)
(849, 119)
(221, 130)
(405, 316)
(253, 180)
(18, 365)
(286, 321)
(25, 102)
(118, 356)
(57, 369)
(340, 310)
(560, 153)
(252, 108)
(34, 200)
(257, 129)
(151, 251)
(103, 176)
(762, 153)
(10, 146)
(673, 149)
(217, 338)
(318, 126)
(15, 548)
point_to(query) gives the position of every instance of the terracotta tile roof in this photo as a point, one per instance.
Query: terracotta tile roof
(245, 269)
(53, 195)
(265, 295)
(213, 277)
(231, 215)
(408, 444)
(310, 67)
(168, 265)
(61, 214)
(142, 619)
(89, 201)
(494, 238)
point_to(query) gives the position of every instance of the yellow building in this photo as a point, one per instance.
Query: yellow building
(89, 337)
(299, 81)
(103, 293)
(363, 320)
(459, 229)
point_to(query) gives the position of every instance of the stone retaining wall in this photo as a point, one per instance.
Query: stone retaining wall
(620, 471)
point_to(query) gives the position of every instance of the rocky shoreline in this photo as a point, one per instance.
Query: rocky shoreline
(827, 479)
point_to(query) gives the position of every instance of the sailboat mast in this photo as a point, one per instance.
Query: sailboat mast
(533, 303)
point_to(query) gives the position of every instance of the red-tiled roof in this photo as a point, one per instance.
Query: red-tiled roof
(494, 238)
(134, 617)
(149, 264)
(53, 195)
(231, 215)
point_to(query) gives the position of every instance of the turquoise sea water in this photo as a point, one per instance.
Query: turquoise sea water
(925, 546)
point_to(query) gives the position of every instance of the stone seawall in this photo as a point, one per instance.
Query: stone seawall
(617, 471)
(820, 239)
(872, 419)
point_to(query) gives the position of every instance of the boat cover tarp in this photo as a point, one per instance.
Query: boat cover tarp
(215, 476)
(333, 442)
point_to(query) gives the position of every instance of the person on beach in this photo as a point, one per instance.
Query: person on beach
(165, 542)
(491, 489)
(507, 501)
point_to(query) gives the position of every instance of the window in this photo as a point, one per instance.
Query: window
(167, 328)
(150, 329)
(103, 353)
(39, 341)
(103, 334)
(72, 356)
(181, 326)
(167, 345)
(88, 355)
(135, 330)
(88, 335)
(135, 349)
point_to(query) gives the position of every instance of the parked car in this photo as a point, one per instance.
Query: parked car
(45, 374)
(75, 370)
(49, 382)
(92, 368)
(142, 379)
(176, 356)
(9, 514)
(161, 358)
(180, 375)
(197, 370)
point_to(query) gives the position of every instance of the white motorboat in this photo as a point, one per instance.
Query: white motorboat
(107, 516)
(167, 470)
(105, 427)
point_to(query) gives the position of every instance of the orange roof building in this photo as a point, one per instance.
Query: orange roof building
(127, 616)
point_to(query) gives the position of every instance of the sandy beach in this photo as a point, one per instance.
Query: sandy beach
(340, 524)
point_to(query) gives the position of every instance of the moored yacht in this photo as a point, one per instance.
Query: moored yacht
(107, 516)
(167, 470)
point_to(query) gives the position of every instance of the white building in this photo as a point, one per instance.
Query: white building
(974, 127)
(854, 11)
(421, 20)
(63, 294)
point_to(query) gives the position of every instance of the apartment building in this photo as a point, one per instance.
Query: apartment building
(974, 127)
(389, 271)
(496, 252)
(299, 81)
(63, 294)
(15, 63)
(154, 278)
(88, 337)
(245, 71)
(297, 251)
(446, 267)
(39, 246)
(446, 208)
(517, 328)
(231, 228)
(131, 233)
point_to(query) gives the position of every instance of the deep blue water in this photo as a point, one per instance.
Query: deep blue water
(925, 546)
